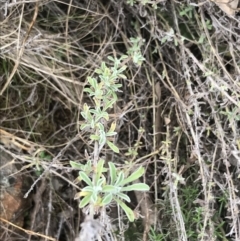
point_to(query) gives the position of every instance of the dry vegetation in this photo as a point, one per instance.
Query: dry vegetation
(185, 97)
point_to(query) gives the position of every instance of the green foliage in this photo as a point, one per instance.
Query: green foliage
(37, 160)
(135, 52)
(154, 236)
(187, 10)
(131, 2)
(101, 190)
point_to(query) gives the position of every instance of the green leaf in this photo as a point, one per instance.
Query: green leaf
(83, 126)
(102, 114)
(113, 172)
(136, 187)
(85, 107)
(103, 65)
(98, 71)
(100, 167)
(123, 57)
(108, 188)
(106, 199)
(138, 173)
(87, 189)
(88, 166)
(92, 123)
(85, 201)
(109, 104)
(124, 196)
(111, 58)
(88, 90)
(111, 133)
(120, 179)
(93, 111)
(113, 147)
(122, 76)
(76, 165)
(102, 137)
(105, 115)
(77, 195)
(92, 82)
(94, 197)
(84, 115)
(85, 178)
(94, 137)
(122, 69)
(101, 181)
(113, 126)
(100, 126)
(129, 212)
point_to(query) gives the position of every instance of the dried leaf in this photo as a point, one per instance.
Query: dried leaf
(11, 141)
(166, 120)
(228, 6)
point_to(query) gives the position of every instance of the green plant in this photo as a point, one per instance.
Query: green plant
(190, 213)
(36, 161)
(187, 11)
(135, 51)
(102, 189)
(154, 236)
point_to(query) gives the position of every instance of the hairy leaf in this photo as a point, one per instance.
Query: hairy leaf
(136, 187)
(134, 176)
(85, 178)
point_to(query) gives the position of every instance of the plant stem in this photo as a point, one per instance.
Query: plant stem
(94, 164)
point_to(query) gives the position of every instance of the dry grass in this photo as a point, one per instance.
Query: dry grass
(185, 97)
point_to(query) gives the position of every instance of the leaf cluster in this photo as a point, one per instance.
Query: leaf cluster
(100, 190)
(100, 193)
